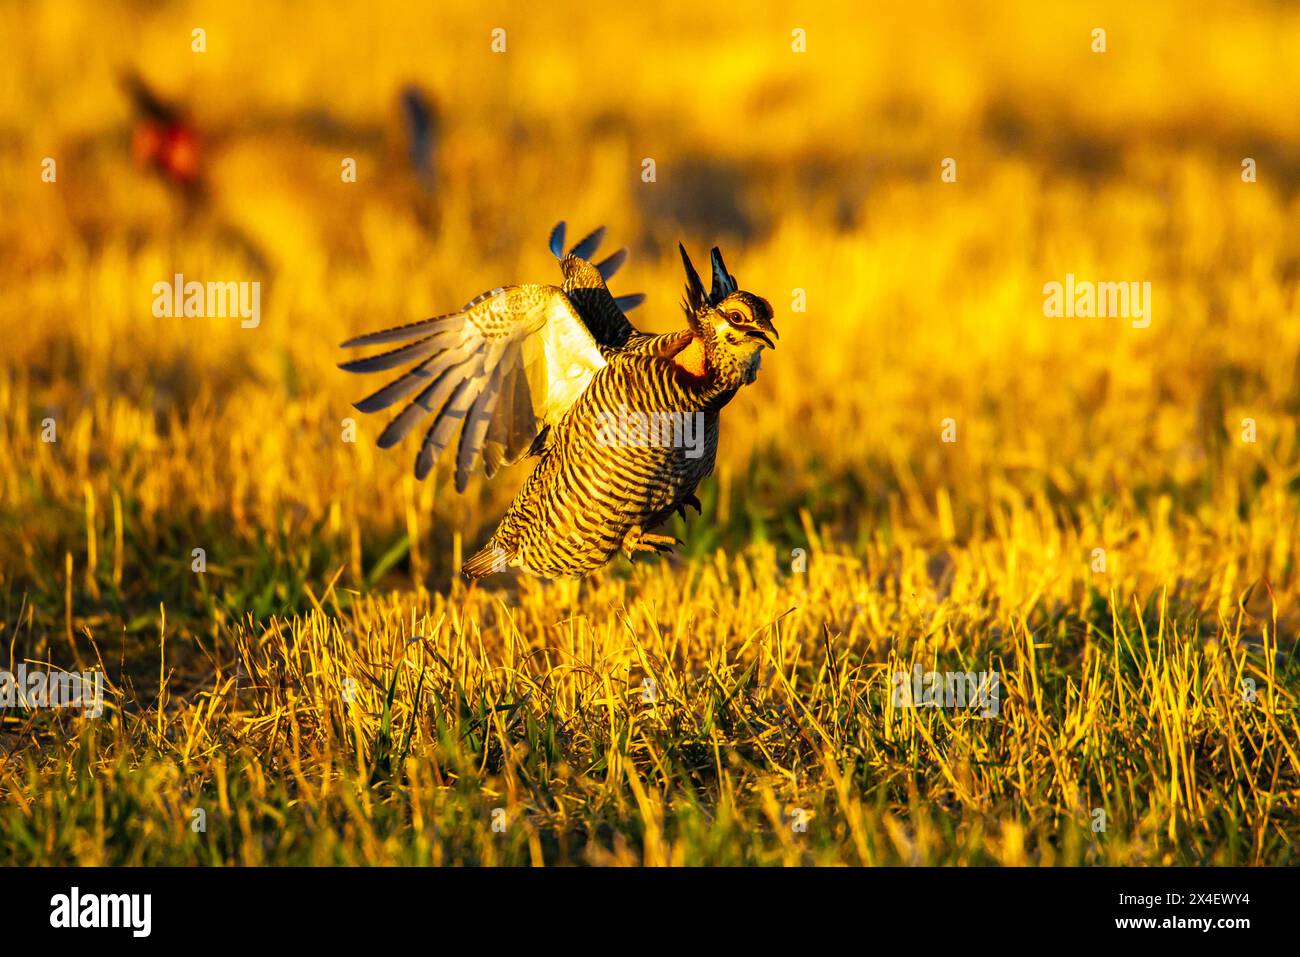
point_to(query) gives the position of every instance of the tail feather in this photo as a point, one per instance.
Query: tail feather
(556, 241)
(584, 247)
(488, 560)
(611, 264)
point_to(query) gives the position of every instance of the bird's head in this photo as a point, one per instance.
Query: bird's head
(733, 325)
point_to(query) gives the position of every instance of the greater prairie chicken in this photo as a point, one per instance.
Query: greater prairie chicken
(420, 118)
(163, 139)
(624, 424)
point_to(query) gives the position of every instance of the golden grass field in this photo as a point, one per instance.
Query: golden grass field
(329, 692)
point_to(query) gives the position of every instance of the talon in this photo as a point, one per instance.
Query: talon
(638, 541)
(631, 540)
(660, 543)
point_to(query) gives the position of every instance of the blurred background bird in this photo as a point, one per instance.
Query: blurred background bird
(252, 183)
(421, 122)
(164, 139)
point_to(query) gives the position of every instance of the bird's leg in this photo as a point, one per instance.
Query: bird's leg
(638, 541)
(692, 501)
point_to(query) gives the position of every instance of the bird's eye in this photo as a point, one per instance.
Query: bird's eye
(735, 318)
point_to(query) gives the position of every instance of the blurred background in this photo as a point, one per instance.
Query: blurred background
(1112, 526)
(818, 172)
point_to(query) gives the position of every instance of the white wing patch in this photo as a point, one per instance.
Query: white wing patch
(559, 359)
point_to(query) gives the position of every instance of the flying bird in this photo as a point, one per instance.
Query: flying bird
(558, 373)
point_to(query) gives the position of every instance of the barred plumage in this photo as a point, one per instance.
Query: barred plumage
(625, 424)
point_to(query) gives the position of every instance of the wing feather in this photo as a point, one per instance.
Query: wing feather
(514, 423)
(444, 427)
(500, 371)
(403, 354)
(418, 376)
(434, 397)
(411, 330)
(474, 433)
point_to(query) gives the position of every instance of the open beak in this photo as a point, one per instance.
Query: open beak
(761, 333)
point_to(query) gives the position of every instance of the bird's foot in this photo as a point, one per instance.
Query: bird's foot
(638, 541)
(693, 502)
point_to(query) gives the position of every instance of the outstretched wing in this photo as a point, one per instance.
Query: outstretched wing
(502, 369)
(584, 284)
